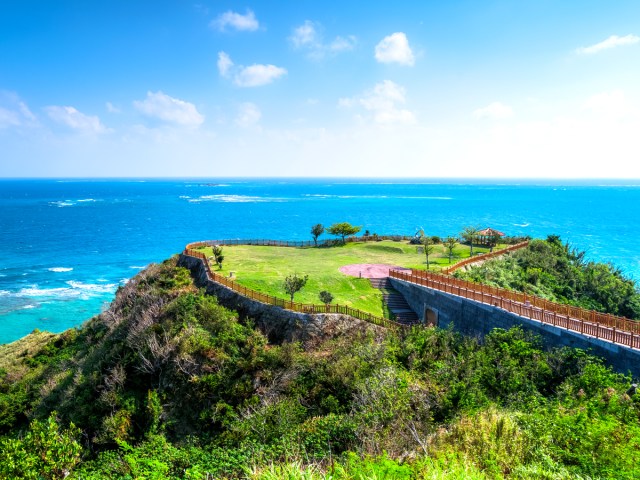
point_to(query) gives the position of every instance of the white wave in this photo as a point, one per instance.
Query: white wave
(28, 307)
(185, 196)
(62, 203)
(235, 199)
(376, 197)
(137, 267)
(84, 200)
(79, 290)
(60, 269)
(521, 224)
(92, 287)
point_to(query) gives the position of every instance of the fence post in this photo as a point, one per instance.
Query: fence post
(614, 334)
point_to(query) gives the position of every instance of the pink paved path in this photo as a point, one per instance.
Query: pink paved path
(370, 270)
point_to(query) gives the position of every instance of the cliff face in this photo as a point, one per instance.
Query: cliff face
(277, 323)
(162, 341)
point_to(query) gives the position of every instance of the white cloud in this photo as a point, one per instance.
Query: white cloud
(111, 108)
(248, 115)
(613, 104)
(258, 75)
(169, 109)
(611, 42)
(495, 110)
(224, 64)
(14, 112)
(76, 120)
(306, 37)
(247, 22)
(395, 49)
(255, 75)
(383, 102)
(9, 118)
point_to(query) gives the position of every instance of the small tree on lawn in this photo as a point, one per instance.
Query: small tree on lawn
(428, 247)
(469, 234)
(450, 244)
(316, 231)
(294, 283)
(325, 297)
(343, 229)
(218, 256)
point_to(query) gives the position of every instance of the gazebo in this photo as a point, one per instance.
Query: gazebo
(489, 236)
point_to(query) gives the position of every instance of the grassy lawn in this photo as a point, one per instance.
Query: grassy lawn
(264, 268)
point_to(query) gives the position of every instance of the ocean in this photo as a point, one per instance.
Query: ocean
(66, 244)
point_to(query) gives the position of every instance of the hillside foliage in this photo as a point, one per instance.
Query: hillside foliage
(169, 384)
(558, 272)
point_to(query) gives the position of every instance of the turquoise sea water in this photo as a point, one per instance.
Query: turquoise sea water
(66, 245)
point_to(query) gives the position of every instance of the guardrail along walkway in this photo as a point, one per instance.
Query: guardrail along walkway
(618, 330)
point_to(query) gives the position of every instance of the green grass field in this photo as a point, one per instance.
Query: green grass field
(264, 268)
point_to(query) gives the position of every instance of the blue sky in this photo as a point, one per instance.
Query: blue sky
(309, 88)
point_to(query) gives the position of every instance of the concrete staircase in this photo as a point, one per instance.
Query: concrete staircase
(394, 300)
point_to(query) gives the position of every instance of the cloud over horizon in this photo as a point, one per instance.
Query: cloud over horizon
(168, 109)
(14, 112)
(255, 75)
(248, 115)
(495, 110)
(76, 120)
(384, 103)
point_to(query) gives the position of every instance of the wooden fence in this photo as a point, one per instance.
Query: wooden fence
(587, 322)
(483, 257)
(298, 244)
(280, 302)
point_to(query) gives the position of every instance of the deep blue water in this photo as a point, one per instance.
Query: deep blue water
(66, 245)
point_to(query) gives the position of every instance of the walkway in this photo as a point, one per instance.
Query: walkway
(395, 302)
(589, 323)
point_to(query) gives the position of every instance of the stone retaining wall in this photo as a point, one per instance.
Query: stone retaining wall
(277, 323)
(477, 319)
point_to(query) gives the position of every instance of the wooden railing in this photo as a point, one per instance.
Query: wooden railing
(280, 302)
(292, 243)
(483, 257)
(588, 322)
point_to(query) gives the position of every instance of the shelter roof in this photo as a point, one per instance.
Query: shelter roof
(490, 232)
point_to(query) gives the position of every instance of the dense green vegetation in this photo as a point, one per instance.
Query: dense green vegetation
(168, 384)
(556, 271)
(265, 268)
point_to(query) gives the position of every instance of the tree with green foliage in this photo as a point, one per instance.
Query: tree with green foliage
(343, 229)
(556, 271)
(428, 245)
(450, 244)
(469, 234)
(294, 283)
(316, 231)
(45, 452)
(218, 256)
(325, 297)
